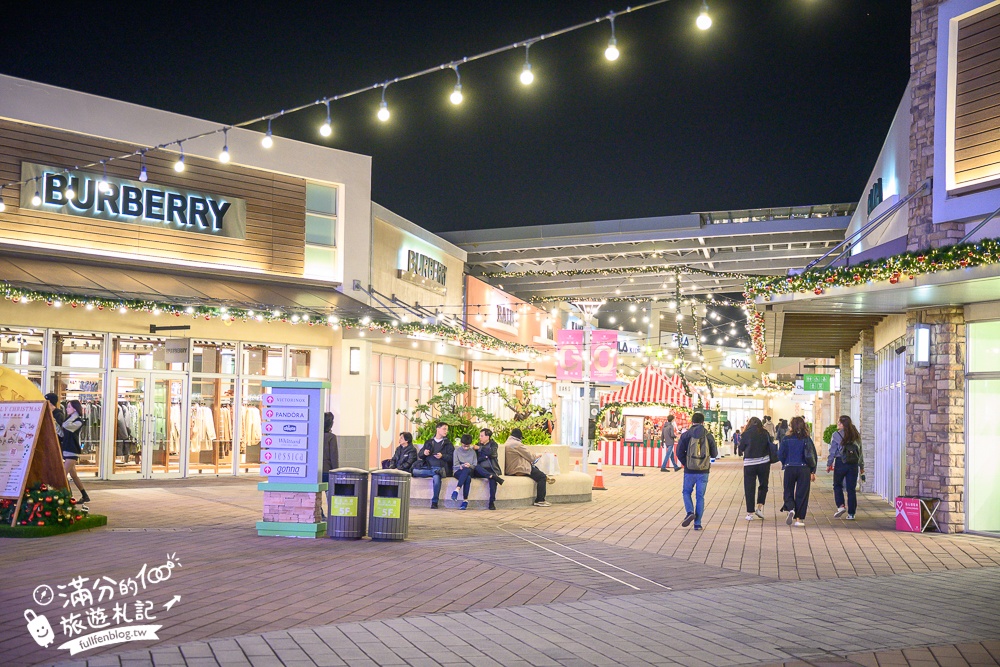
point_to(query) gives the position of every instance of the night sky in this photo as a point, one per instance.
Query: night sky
(781, 102)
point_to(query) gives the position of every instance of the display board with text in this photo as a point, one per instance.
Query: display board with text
(29, 449)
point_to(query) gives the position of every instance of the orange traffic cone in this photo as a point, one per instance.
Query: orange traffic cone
(599, 478)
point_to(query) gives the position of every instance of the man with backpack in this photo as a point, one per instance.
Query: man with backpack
(696, 449)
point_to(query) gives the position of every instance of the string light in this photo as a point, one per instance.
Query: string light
(179, 165)
(611, 53)
(224, 155)
(70, 192)
(704, 21)
(326, 129)
(37, 199)
(383, 108)
(3, 207)
(267, 141)
(526, 74)
(143, 176)
(456, 95)
(102, 185)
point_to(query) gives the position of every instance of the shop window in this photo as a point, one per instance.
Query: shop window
(268, 360)
(141, 353)
(213, 357)
(984, 347)
(213, 425)
(22, 347)
(77, 350)
(983, 462)
(88, 389)
(309, 362)
(249, 422)
(321, 230)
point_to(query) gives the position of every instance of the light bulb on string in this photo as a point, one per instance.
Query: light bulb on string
(383, 107)
(611, 53)
(456, 95)
(704, 21)
(102, 185)
(526, 74)
(224, 155)
(70, 192)
(326, 129)
(267, 141)
(143, 176)
(179, 165)
(37, 199)
(3, 206)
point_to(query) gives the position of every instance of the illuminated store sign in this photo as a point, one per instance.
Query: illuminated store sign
(426, 272)
(502, 315)
(122, 200)
(738, 361)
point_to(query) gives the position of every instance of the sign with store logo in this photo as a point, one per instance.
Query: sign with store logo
(425, 272)
(815, 382)
(177, 350)
(569, 354)
(681, 341)
(290, 441)
(501, 313)
(81, 194)
(626, 346)
(740, 362)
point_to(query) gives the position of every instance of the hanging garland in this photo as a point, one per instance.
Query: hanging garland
(756, 325)
(893, 269)
(624, 271)
(444, 332)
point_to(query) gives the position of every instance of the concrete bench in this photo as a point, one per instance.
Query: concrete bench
(516, 491)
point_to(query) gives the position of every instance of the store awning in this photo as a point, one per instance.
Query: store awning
(175, 284)
(651, 386)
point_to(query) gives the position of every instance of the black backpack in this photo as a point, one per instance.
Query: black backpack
(851, 453)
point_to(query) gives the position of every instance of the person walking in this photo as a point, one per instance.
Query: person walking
(755, 448)
(797, 454)
(669, 439)
(331, 450)
(488, 463)
(71, 444)
(769, 426)
(781, 430)
(696, 449)
(846, 461)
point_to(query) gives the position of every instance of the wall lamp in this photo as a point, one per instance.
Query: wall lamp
(922, 345)
(354, 361)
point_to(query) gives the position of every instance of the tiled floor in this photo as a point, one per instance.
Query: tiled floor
(558, 582)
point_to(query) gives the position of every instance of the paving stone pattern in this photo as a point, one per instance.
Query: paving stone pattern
(616, 581)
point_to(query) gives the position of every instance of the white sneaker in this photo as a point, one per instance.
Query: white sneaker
(850, 517)
(750, 517)
(791, 517)
(759, 512)
(542, 503)
(840, 512)
(799, 524)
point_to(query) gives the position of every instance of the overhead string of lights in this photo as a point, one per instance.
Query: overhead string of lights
(527, 77)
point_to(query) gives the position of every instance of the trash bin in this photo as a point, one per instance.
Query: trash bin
(347, 506)
(389, 517)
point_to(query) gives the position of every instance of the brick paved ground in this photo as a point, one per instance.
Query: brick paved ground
(556, 584)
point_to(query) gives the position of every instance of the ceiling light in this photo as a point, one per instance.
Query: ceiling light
(704, 21)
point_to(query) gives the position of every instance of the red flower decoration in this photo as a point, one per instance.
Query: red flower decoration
(963, 262)
(857, 278)
(831, 279)
(818, 290)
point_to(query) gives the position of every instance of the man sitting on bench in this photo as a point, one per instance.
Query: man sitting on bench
(519, 461)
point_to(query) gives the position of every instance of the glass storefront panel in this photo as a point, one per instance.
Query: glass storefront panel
(148, 421)
(983, 456)
(22, 346)
(308, 362)
(77, 350)
(250, 426)
(145, 353)
(213, 424)
(213, 357)
(984, 347)
(88, 389)
(265, 360)
(129, 420)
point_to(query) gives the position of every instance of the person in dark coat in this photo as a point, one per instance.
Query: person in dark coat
(71, 449)
(331, 452)
(405, 455)
(797, 454)
(755, 448)
(434, 460)
(488, 466)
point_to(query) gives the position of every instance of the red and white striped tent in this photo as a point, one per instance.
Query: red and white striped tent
(652, 386)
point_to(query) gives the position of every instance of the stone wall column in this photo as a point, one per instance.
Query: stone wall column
(866, 420)
(846, 362)
(935, 414)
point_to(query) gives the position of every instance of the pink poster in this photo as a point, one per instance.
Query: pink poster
(603, 356)
(569, 354)
(908, 514)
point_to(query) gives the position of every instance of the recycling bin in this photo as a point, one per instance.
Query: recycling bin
(389, 510)
(347, 506)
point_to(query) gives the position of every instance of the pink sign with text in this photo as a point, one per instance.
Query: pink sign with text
(569, 354)
(908, 514)
(604, 356)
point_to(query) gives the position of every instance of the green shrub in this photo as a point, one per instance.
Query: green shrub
(828, 433)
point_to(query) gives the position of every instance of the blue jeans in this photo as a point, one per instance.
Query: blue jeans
(668, 456)
(464, 477)
(846, 474)
(435, 473)
(696, 482)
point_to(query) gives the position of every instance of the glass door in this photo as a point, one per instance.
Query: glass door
(147, 436)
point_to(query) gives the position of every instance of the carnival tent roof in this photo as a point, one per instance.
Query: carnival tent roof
(651, 386)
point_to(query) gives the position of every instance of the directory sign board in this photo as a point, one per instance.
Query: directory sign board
(292, 421)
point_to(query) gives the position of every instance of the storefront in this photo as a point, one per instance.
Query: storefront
(161, 298)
